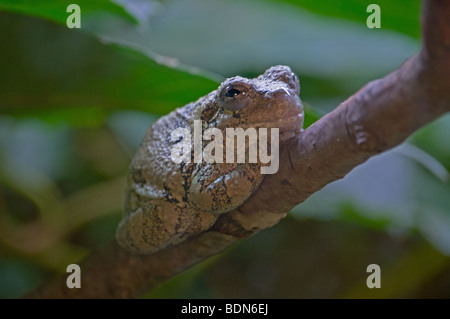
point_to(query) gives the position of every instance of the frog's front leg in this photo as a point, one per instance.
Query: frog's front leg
(223, 187)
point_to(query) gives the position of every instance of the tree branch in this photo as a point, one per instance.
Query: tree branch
(378, 117)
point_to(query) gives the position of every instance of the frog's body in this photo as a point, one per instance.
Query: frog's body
(166, 201)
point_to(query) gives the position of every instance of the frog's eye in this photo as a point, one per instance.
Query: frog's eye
(235, 97)
(232, 92)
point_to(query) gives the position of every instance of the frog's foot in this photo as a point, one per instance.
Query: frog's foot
(145, 231)
(217, 192)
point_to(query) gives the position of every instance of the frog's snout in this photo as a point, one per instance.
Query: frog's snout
(286, 102)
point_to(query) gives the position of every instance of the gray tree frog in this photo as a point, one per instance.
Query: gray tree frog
(167, 202)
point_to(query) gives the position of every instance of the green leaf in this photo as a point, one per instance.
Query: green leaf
(428, 161)
(70, 77)
(199, 33)
(397, 15)
(56, 10)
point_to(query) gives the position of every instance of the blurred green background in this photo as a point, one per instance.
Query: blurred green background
(74, 105)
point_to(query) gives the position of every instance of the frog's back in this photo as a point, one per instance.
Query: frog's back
(157, 210)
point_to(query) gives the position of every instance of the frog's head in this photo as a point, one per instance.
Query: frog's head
(270, 100)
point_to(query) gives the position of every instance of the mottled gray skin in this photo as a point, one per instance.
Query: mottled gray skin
(168, 202)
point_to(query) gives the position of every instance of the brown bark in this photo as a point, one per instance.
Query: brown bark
(376, 118)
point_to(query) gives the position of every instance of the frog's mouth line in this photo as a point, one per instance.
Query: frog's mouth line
(288, 126)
